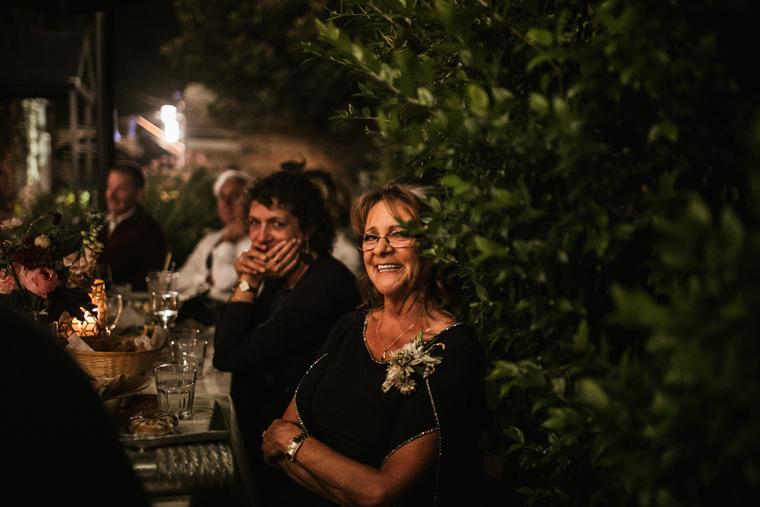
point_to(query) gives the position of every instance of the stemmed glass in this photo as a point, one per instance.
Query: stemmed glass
(164, 307)
(114, 305)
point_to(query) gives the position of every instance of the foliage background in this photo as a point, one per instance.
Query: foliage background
(182, 200)
(249, 52)
(600, 161)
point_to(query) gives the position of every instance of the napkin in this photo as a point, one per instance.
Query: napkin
(121, 386)
(155, 341)
(76, 343)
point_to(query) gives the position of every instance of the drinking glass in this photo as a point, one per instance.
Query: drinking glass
(176, 333)
(162, 281)
(191, 352)
(175, 386)
(164, 307)
(125, 289)
(114, 305)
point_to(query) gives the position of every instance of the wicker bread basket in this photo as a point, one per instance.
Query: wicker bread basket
(106, 365)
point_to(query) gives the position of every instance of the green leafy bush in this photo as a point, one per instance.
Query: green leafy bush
(600, 215)
(182, 200)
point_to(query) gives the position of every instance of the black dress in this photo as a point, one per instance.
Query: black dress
(341, 403)
(268, 346)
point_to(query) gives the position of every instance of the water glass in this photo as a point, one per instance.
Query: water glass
(175, 385)
(164, 306)
(190, 352)
(176, 333)
(162, 281)
(125, 289)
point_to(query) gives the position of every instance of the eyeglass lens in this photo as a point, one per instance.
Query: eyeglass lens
(396, 239)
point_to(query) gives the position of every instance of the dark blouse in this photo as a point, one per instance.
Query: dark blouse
(341, 403)
(269, 345)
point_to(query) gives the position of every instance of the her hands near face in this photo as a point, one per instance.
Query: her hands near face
(283, 258)
(250, 264)
(277, 262)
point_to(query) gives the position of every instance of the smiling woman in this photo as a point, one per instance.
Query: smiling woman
(390, 259)
(378, 419)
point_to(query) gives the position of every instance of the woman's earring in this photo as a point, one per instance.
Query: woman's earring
(306, 257)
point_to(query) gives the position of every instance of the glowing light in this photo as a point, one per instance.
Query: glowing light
(171, 125)
(168, 114)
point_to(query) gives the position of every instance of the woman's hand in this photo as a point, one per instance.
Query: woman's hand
(250, 265)
(283, 258)
(276, 439)
(277, 262)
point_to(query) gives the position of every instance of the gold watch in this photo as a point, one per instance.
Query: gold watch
(294, 445)
(244, 286)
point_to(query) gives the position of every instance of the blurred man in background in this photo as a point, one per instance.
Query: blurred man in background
(133, 241)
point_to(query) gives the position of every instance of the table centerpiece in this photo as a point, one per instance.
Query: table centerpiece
(46, 269)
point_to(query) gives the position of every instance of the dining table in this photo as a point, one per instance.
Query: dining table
(203, 461)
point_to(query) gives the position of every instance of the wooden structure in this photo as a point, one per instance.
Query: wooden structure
(56, 71)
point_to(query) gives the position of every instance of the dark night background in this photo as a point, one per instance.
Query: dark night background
(142, 76)
(142, 79)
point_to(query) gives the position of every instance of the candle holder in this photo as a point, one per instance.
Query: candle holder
(88, 327)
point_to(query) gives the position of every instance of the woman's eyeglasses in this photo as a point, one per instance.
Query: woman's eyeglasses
(396, 239)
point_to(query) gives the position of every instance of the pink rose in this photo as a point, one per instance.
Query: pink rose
(39, 281)
(7, 283)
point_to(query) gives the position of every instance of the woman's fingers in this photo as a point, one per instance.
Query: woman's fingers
(283, 258)
(275, 439)
(251, 262)
(284, 251)
(274, 263)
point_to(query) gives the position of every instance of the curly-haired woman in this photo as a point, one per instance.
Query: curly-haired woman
(291, 292)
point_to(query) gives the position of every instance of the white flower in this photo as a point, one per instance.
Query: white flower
(76, 264)
(412, 358)
(43, 241)
(10, 223)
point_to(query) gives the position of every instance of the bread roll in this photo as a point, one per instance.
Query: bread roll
(152, 423)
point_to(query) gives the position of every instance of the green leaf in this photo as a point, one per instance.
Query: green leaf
(540, 37)
(477, 99)
(539, 104)
(589, 391)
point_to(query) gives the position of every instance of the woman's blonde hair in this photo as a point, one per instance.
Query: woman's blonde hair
(407, 195)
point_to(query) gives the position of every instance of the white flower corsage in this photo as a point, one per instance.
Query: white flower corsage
(414, 357)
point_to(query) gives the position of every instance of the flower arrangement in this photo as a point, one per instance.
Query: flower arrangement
(45, 266)
(414, 357)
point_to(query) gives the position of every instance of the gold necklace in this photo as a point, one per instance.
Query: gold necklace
(377, 332)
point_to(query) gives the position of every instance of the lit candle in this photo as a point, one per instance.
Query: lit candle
(88, 327)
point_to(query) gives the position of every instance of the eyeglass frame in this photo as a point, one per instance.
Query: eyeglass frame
(360, 240)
